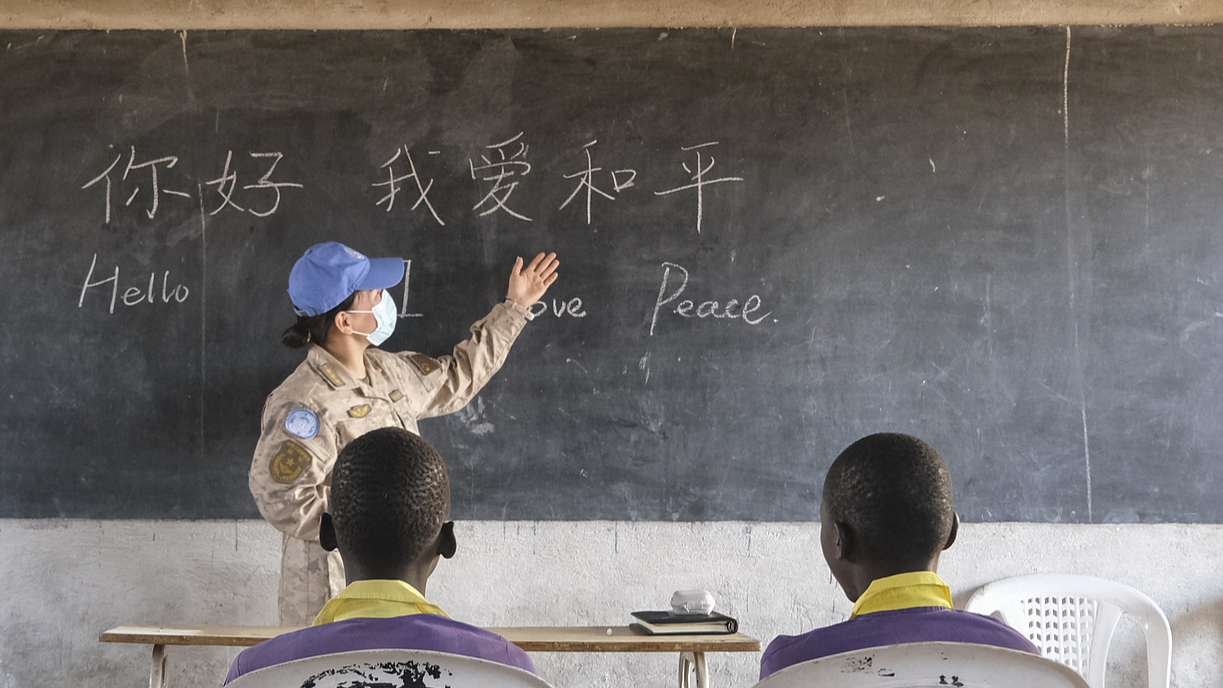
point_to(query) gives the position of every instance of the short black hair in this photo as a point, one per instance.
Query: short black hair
(894, 492)
(390, 494)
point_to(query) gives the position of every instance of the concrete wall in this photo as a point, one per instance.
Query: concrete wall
(406, 14)
(67, 581)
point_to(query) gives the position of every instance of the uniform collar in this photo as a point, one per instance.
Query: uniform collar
(904, 591)
(333, 372)
(329, 368)
(378, 599)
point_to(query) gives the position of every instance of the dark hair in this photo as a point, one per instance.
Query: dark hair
(390, 494)
(894, 492)
(314, 328)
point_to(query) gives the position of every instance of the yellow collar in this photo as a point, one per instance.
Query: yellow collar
(904, 591)
(377, 599)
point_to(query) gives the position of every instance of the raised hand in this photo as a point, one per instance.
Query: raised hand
(527, 285)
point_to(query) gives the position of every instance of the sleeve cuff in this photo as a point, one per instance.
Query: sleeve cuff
(517, 308)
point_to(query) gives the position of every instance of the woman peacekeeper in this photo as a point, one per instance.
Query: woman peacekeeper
(346, 388)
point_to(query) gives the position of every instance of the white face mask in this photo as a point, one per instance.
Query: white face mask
(385, 315)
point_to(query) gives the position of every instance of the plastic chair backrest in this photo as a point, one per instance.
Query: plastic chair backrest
(389, 668)
(928, 665)
(1072, 618)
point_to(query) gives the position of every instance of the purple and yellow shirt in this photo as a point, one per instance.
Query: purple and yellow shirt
(375, 615)
(906, 608)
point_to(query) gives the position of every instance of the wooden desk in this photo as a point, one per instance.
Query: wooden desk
(692, 648)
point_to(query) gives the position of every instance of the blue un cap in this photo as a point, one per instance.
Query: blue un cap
(328, 273)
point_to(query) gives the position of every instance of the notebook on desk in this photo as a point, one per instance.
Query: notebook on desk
(670, 623)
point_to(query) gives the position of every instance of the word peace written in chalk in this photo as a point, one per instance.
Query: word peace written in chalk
(706, 309)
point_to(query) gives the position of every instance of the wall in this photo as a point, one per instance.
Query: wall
(70, 580)
(407, 14)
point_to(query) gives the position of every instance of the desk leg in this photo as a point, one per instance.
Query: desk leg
(702, 670)
(690, 663)
(157, 677)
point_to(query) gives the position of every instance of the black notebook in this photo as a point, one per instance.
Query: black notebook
(670, 623)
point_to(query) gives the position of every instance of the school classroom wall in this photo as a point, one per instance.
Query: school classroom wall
(69, 580)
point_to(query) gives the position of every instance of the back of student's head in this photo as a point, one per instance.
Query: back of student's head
(894, 492)
(390, 495)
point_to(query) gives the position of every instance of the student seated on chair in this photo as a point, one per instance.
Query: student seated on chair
(885, 518)
(390, 505)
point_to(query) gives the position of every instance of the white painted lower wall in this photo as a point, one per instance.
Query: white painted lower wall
(67, 581)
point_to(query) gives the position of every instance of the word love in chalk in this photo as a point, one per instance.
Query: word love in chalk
(706, 309)
(135, 295)
(560, 307)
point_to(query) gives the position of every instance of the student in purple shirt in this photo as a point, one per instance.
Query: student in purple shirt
(885, 518)
(390, 505)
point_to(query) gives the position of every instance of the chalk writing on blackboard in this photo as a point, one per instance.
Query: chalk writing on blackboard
(135, 295)
(392, 183)
(228, 182)
(502, 168)
(169, 161)
(699, 182)
(265, 182)
(560, 308)
(707, 309)
(587, 181)
(225, 185)
(407, 280)
(508, 161)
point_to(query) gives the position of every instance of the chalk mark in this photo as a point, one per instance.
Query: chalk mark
(1071, 267)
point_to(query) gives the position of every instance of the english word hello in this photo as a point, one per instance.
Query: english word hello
(135, 295)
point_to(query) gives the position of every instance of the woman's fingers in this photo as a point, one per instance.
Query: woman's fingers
(534, 263)
(549, 266)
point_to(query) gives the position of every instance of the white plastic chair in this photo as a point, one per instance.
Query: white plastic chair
(1072, 618)
(389, 668)
(928, 665)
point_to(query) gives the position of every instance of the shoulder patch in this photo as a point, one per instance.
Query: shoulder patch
(359, 411)
(424, 363)
(289, 463)
(330, 375)
(302, 422)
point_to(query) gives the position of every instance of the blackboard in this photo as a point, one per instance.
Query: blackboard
(1003, 240)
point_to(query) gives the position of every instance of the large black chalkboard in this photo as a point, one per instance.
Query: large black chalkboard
(1005, 241)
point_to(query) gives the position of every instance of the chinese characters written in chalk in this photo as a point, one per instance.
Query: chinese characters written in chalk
(393, 182)
(228, 180)
(620, 179)
(699, 182)
(264, 195)
(253, 182)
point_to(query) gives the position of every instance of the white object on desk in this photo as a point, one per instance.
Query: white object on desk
(692, 602)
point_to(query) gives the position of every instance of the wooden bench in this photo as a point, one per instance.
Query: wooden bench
(691, 648)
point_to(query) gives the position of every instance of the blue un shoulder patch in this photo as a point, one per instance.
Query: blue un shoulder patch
(303, 423)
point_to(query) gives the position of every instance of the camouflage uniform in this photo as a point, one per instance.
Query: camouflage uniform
(320, 408)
